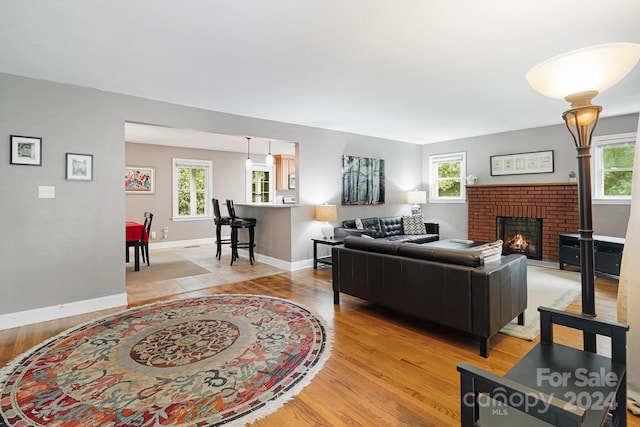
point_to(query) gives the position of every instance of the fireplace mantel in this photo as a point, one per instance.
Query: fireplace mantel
(555, 202)
(535, 184)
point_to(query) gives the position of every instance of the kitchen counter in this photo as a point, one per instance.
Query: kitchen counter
(269, 205)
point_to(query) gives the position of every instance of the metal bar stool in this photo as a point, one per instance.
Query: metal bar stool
(236, 224)
(219, 221)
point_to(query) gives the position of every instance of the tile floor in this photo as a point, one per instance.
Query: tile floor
(176, 271)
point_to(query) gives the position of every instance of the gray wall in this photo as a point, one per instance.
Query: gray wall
(71, 248)
(607, 219)
(228, 183)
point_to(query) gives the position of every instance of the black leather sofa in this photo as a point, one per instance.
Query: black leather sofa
(451, 287)
(387, 228)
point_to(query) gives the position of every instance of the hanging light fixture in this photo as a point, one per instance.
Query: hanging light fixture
(248, 163)
(269, 159)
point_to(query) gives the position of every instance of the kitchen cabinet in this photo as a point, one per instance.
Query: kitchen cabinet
(285, 172)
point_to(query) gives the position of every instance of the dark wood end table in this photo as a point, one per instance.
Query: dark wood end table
(325, 259)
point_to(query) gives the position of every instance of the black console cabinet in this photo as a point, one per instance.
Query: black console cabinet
(607, 251)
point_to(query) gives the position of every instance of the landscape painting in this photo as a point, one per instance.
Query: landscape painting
(362, 181)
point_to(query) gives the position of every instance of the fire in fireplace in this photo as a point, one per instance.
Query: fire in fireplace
(521, 236)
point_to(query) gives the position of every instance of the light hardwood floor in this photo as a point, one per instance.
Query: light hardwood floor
(385, 369)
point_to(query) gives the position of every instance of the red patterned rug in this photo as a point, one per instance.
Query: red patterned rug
(218, 360)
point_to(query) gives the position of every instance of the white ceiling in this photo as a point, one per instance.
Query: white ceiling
(419, 71)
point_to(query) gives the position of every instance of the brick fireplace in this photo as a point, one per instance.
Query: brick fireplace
(555, 203)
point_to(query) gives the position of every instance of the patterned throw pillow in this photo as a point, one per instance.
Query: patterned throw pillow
(413, 224)
(359, 225)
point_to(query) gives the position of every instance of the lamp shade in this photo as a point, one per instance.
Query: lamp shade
(417, 197)
(594, 68)
(326, 213)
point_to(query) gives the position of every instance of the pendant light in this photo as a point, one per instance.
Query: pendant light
(248, 163)
(269, 159)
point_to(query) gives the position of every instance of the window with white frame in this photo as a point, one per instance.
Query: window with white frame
(191, 189)
(613, 165)
(447, 177)
(260, 180)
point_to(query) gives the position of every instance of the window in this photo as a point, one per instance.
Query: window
(446, 177)
(260, 184)
(613, 166)
(191, 189)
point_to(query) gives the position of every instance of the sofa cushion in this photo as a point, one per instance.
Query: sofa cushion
(359, 224)
(413, 224)
(391, 226)
(372, 245)
(451, 256)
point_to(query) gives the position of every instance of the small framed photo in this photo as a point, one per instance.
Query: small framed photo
(292, 181)
(139, 180)
(79, 167)
(26, 150)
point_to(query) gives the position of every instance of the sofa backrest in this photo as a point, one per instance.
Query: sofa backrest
(371, 224)
(465, 258)
(449, 256)
(372, 245)
(391, 226)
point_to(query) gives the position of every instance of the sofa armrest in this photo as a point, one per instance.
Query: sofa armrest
(499, 293)
(432, 227)
(345, 232)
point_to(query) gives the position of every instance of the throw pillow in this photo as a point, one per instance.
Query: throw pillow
(413, 224)
(491, 251)
(366, 236)
(359, 225)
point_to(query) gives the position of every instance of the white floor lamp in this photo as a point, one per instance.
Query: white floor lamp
(577, 77)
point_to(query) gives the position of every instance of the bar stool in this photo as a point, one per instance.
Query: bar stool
(236, 224)
(219, 221)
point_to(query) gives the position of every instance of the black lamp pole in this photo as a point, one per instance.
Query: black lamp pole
(581, 122)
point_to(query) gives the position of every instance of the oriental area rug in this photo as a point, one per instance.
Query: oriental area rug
(547, 287)
(218, 360)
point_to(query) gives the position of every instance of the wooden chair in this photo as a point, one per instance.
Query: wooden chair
(554, 383)
(236, 224)
(219, 221)
(148, 218)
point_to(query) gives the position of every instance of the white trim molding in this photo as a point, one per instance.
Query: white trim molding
(44, 314)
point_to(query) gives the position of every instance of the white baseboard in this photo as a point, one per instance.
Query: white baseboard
(274, 262)
(44, 314)
(182, 243)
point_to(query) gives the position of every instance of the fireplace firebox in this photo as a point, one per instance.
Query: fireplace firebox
(521, 236)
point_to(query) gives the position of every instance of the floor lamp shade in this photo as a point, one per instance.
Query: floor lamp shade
(326, 213)
(578, 76)
(591, 69)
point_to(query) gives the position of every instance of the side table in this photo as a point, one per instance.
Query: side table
(324, 259)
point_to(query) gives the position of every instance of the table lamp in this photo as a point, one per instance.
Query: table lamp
(326, 213)
(416, 198)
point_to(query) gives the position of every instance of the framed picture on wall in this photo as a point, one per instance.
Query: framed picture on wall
(26, 150)
(292, 181)
(363, 181)
(139, 180)
(79, 167)
(522, 163)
